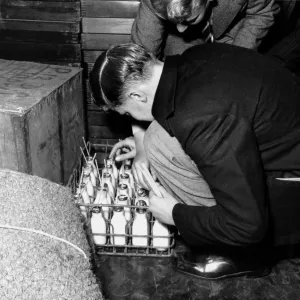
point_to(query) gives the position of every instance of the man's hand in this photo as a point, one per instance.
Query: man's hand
(162, 208)
(127, 145)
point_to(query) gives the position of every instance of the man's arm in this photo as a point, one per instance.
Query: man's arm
(148, 29)
(225, 151)
(259, 18)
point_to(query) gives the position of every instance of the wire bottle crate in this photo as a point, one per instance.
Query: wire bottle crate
(110, 248)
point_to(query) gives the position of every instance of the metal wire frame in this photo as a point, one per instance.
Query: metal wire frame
(109, 248)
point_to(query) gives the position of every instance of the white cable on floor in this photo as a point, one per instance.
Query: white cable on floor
(44, 233)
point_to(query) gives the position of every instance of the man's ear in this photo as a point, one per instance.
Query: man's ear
(138, 96)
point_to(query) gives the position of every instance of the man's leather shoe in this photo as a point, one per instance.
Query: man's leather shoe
(216, 267)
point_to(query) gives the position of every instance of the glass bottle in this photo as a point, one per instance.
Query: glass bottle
(98, 226)
(124, 201)
(87, 180)
(106, 179)
(118, 227)
(140, 226)
(124, 179)
(160, 236)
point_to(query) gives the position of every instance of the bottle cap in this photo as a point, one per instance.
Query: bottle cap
(123, 198)
(141, 192)
(86, 171)
(109, 161)
(90, 159)
(77, 198)
(118, 208)
(106, 175)
(96, 209)
(124, 176)
(123, 186)
(142, 208)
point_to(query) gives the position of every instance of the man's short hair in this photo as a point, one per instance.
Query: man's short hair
(177, 11)
(115, 70)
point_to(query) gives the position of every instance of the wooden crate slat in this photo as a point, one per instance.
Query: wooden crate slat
(98, 118)
(39, 36)
(89, 101)
(105, 132)
(64, 63)
(107, 25)
(101, 118)
(43, 26)
(91, 56)
(110, 9)
(40, 10)
(84, 2)
(102, 41)
(96, 142)
(117, 124)
(87, 68)
(44, 52)
(92, 106)
(52, 0)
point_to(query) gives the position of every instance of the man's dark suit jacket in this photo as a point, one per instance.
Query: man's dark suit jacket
(237, 115)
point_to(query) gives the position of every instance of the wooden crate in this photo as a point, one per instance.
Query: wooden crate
(41, 118)
(65, 11)
(41, 31)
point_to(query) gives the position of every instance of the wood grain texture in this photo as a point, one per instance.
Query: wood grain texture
(89, 99)
(100, 144)
(102, 41)
(39, 37)
(41, 118)
(101, 118)
(107, 25)
(91, 56)
(52, 0)
(87, 67)
(107, 132)
(109, 9)
(46, 52)
(40, 10)
(41, 26)
(89, 102)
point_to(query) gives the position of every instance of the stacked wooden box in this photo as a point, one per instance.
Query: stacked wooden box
(104, 23)
(41, 119)
(42, 31)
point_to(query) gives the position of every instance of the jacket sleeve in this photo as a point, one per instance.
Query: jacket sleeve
(258, 19)
(148, 29)
(225, 151)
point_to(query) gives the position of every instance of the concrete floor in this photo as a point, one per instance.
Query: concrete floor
(141, 278)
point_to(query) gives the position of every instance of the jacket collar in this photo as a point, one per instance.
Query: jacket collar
(163, 104)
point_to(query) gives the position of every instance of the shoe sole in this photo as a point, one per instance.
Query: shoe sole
(248, 274)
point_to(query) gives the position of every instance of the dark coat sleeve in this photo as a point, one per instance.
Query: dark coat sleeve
(148, 29)
(259, 18)
(225, 151)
